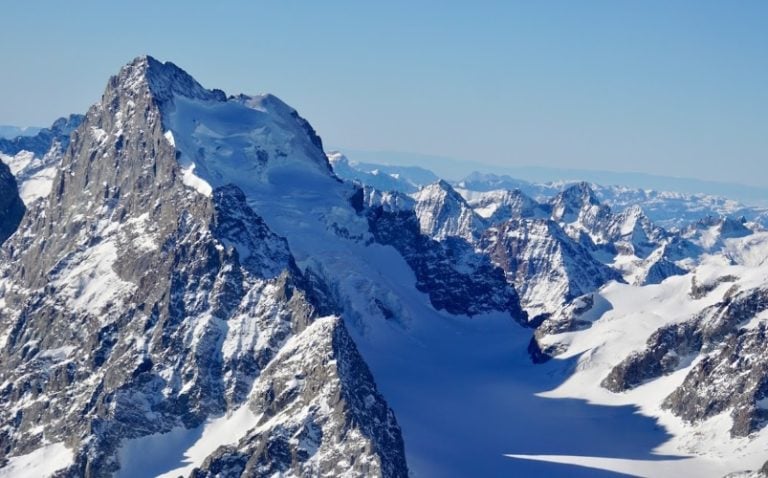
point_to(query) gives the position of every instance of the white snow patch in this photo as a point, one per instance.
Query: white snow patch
(41, 463)
(169, 136)
(90, 283)
(37, 186)
(19, 161)
(189, 178)
(177, 452)
(57, 354)
(98, 134)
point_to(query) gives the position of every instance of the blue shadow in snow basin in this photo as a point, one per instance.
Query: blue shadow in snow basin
(462, 416)
(575, 427)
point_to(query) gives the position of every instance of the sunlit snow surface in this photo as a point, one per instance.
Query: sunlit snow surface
(42, 462)
(35, 185)
(468, 399)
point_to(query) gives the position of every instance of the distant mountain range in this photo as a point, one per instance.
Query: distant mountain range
(668, 209)
(455, 169)
(8, 132)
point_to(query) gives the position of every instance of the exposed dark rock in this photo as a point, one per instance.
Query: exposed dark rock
(11, 206)
(133, 305)
(456, 278)
(699, 291)
(732, 373)
(546, 266)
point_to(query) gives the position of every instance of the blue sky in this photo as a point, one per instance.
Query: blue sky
(667, 87)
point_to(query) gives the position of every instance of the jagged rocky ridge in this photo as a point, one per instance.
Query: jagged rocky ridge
(455, 277)
(555, 251)
(668, 209)
(731, 374)
(134, 305)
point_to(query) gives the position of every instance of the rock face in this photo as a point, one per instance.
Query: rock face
(740, 362)
(320, 415)
(547, 268)
(11, 206)
(732, 371)
(456, 278)
(133, 304)
(442, 212)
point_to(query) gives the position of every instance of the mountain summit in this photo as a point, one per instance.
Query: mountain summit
(143, 302)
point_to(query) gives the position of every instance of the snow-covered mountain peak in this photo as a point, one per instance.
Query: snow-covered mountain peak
(502, 204)
(337, 158)
(443, 212)
(573, 199)
(245, 140)
(164, 81)
(179, 304)
(442, 188)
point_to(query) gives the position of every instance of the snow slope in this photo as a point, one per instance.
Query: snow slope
(631, 316)
(447, 377)
(44, 461)
(34, 157)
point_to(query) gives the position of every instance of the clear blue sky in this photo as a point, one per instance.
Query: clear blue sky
(668, 87)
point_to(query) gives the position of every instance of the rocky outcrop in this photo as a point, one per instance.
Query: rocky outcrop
(442, 212)
(547, 268)
(734, 378)
(455, 277)
(701, 289)
(731, 372)
(11, 206)
(320, 415)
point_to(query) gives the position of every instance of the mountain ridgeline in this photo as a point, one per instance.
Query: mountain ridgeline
(156, 307)
(190, 286)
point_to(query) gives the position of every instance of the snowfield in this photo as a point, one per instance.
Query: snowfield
(630, 315)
